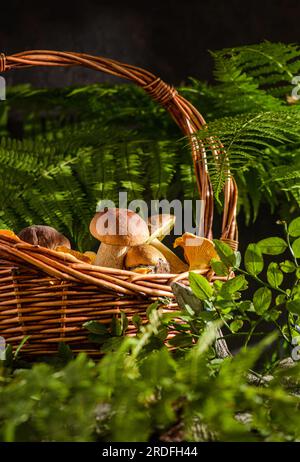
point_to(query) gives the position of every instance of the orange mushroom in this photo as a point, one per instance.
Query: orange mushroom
(198, 251)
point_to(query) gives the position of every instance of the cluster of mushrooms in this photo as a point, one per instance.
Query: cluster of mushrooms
(129, 242)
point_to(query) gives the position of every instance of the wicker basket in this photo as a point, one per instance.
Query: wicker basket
(48, 295)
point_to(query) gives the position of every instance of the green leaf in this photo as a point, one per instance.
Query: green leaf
(234, 285)
(294, 306)
(274, 275)
(218, 284)
(238, 259)
(98, 338)
(236, 325)
(207, 315)
(181, 340)
(111, 344)
(151, 308)
(9, 355)
(219, 267)
(275, 314)
(95, 327)
(20, 346)
(296, 247)
(246, 305)
(200, 286)
(287, 266)
(162, 333)
(253, 260)
(65, 352)
(262, 299)
(225, 253)
(137, 321)
(124, 322)
(294, 227)
(295, 291)
(272, 315)
(272, 246)
(116, 327)
(280, 299)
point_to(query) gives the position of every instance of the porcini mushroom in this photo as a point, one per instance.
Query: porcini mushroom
(198, 251)
(117, 229)
(159, 226)
(146, 259)
(45, 236)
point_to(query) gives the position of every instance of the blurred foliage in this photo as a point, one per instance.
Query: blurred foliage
(134, 395)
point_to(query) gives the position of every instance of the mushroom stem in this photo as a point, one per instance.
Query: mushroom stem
(176, 265)
(111, 256)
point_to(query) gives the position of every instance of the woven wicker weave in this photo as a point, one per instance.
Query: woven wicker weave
(49, 295)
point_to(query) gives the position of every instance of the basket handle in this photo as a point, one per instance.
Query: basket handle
(185, 115)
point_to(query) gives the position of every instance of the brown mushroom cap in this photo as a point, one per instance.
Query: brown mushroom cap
(45, 236)
(119, 227)
(146, 256)
(161, 224)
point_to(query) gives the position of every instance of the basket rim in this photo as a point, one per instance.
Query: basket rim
(15, 253)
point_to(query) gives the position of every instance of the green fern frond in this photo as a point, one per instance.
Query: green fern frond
(245, 140)
(287, 177)
(96, 171)
(27, 155)
(129, 158)
(271, 65)
(250, 78)
(160, 166)
(187, 178)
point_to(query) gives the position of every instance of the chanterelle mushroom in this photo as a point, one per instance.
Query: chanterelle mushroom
(117, 229)
(198, 251)
(159, 226)
(146, 259)
(44, 236)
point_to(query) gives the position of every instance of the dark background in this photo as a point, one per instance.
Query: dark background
(170, 38)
